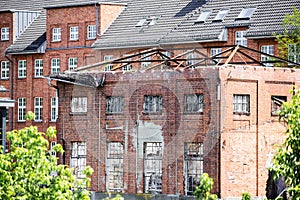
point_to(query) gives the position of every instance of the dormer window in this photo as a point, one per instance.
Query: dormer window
(203, 16)
(246, 13)
(149, 21)
(221, 15)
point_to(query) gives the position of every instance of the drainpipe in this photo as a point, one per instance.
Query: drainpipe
(99, 138)
(97, 19)
(257, 138)
(11, 89)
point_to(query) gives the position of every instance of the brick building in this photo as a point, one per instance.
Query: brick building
(42, 38)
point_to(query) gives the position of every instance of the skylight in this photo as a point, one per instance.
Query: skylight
(220, 16)
(203, 16)
(140, 23)
(246, 13)
(149, 21)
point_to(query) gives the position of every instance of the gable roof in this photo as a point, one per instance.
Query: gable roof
(177, 22)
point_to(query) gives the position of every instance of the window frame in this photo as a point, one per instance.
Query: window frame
(5, 34)
(55, 65)
(192, 62)
(269, 49)
(22, 66)
(56, 34)
(152, 104)
(38, 109)
(215, 51)
(276, 109)
(203, 16)
(54, 109)
(294, 53)
(38, 68)
(240, 38)
(244, 104)
(194, 107)
(79, 104)
(52, 152)
(72, 63)
(91, 32)
(4, 70)
(246, 13)
(78, 158)
(221, 15)
(74, 33)
(107, 58)
(21, 109)
(111, 108)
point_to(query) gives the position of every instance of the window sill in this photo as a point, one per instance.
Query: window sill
(21, 121)
(74, 40)
(52, 121)
(242, 113)
(116, 113)
(193, 113)
(4, 79)
(90, 38)
(39, 121)
(38, 77)
(56, 41)
(78, 113)
(152, 113)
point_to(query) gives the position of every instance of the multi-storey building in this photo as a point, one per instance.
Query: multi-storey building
(42, 38)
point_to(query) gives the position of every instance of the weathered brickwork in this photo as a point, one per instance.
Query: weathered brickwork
(173, 126)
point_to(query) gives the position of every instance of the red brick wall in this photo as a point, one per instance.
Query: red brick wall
(176, 127)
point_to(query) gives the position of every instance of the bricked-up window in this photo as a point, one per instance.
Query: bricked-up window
(106, 58)
(79, 105)
(21, 109)
(22, 69)
(294, 52)
(193, 103)
(91, 32)
(114, 104)
(153, 167)
(4, 70)
(38, 108)
(5, 33)
(269, 49)
(276, 104)
(241, 104)
(152, 104)
(74, 33)
(114, 166)
(55, 65)
(52, 152)
(54, 108)
(72, 63)
(56, 34)
(240, 38)
(193, 166)
(38, 68)
(78, 158)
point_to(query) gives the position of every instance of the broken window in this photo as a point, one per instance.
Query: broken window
(193, 166)
(193, 103)
(114, 166)
(114, 104)
(241, 104)
(276, 103)
(152, 104)
(78, 158)
(153, 167)
(79, 105)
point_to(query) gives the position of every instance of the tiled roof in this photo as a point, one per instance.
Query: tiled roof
(177, 22)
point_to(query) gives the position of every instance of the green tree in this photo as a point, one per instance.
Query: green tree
(286, 162)
(28, 171)
(290, 39)
(202, 191)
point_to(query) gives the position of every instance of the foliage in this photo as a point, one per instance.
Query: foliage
(29, 171)
(291, 35)
(286, 162)
(203, 189)
(117, 197)
(246, 196)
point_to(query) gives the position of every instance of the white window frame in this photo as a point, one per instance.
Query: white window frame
(241, 104)
(38, 68)
(193, 166)
(91, 32)
(21, 109)
(55, 65)
(38, 109)
(152, 104)
(221, 15)
(145, 62)
(72, 63)
(114, 104)
(56, 34)
(52, 152)
(240, 38)
(128, 66)
(191, 62)
(215, 51)
(22, 68)
(106, 58)
(4, 69)
(269, 49)
(246, 13)
(193, 103)
(54, 109)
(294, 53)
(114, 166)
(203, 16)
(79, 105)
(73, 32)
(78, 158)
(5, 33)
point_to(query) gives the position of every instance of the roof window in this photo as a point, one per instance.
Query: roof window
(149, 21)
(246, 13)
(220, 16)
(203, 16)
